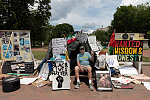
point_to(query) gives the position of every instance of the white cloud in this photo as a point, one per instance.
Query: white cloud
(61, 8)
(77, 19)
(133, 2)
(84, 13)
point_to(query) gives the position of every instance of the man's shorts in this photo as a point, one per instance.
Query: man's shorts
(85, 67)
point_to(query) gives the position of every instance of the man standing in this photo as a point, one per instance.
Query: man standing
(83, 59)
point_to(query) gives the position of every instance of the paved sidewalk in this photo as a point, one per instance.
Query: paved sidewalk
(29, 92)
(45, 93)
(146, 53)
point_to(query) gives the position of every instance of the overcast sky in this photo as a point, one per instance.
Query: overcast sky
(91, 14)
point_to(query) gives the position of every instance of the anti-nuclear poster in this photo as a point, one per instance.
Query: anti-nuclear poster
(19, 47)
(129, 50)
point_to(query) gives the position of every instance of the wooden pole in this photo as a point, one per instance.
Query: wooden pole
(6, 53)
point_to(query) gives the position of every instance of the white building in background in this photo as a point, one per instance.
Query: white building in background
(90, 31)
(103, 29)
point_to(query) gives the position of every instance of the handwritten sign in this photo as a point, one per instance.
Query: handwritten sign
(92, 43)
(60, 75)
(129, 50)
(59, 45)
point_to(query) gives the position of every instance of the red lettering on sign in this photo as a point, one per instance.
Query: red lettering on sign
(125, 43)
(120, 45)
(137, 43)
(116, 43)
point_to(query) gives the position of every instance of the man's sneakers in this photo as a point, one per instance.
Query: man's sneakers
(77, 85)
(91, 87)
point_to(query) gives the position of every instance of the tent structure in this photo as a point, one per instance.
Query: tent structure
(74, 41)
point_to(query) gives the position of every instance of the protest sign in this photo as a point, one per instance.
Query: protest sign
(101, 62)
(19, 47)
(60, 75)
(92, 43)
(129, 50)
(59, 45)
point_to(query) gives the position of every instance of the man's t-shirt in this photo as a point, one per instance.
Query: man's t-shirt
(84, 59)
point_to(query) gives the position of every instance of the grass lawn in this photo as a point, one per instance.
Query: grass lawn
(40, 55)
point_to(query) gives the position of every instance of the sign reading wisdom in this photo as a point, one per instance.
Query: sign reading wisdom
(129, 50)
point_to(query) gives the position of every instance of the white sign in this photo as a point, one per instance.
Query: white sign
(101, 62)
(112, 60)
(128, 71)
(60, 75)
(147, 85)
(27, 80)
(123, 80)
(92, 43)
(44, 71)
(59, 45)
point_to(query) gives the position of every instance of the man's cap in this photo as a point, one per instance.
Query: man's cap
(82, 47)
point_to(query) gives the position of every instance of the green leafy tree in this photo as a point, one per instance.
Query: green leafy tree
(132, 18)
(102, 36)
(15, 14)
(19, 15)
(63, 29)
(40, 21)
(48, 33)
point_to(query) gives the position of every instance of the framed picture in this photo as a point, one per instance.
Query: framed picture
(103, 81)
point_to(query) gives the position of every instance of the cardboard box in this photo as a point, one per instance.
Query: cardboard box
(40, 83)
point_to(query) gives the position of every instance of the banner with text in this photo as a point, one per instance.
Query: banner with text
(129, 50)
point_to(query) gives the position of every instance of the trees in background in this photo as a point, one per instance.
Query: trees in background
(40, 21)
(24, 15)
(57, 31)
(63, 29)
(31, 15)
(132, 18)
(102, 36)
(15, 14)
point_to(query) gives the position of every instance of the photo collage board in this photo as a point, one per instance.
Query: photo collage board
(19, 47)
